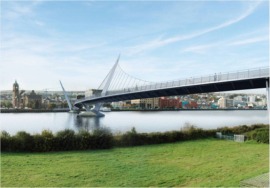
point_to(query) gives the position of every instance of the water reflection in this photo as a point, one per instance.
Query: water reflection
(34, 123)
(87, 123)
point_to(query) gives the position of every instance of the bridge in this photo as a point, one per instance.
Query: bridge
(119, 86)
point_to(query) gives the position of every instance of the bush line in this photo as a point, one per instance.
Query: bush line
(102, 138)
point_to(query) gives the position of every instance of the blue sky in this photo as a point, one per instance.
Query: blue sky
(78, 42)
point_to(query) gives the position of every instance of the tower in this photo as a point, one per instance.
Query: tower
(15, 95)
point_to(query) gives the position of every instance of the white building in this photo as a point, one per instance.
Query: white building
(251, 99)
(91, 92)
(119, 104)
(238, 98)
(136, 102)
(229, 103)
(262, 102)
(222, 102)
(146, 103)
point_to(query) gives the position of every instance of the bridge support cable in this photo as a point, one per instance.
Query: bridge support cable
(121, 82)
(124, 83)
(115, 80)
(101, 86)
(115, 77)
(129, 81)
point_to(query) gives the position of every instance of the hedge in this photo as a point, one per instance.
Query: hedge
(260, 135)
(67, 140)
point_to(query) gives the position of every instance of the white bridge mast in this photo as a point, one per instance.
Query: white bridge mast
(66, 96)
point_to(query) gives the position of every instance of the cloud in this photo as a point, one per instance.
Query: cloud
(13, 10)
(201, 49)
(250, 41)
(159, 42)
(39, 23)
(48, 60)
(39, 59)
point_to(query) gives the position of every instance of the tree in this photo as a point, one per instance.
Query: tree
(31, 104)
(2, 104)
(52, 106)
(64, 105)
(6, 104)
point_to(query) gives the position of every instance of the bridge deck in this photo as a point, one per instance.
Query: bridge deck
(248, 79)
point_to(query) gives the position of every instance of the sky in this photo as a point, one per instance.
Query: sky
(78, 42)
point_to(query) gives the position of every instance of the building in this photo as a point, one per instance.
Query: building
(16, 95)
(238, 98)
(229, 103)
(192, 105)
(262, 102)
(239, 104)
(136, 103)
(92, 92)
(222, 102)
(32, 100)
(148, 103)
(22, 100)
(251, 99)
(117, 105)
(173, 102)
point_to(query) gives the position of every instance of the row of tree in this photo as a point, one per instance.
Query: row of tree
(33, 105)
(103, 139)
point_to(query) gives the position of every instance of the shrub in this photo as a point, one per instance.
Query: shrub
(22, 141)
(102, 139)
(84, 140)
(48, 138)
(260, 135)
(38, 143)
(65, 140)
(5, 141)
(241, 129)
(263, 136)
(44, 142)
(131, 138)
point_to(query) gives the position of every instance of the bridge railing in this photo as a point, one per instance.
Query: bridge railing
(218, 77)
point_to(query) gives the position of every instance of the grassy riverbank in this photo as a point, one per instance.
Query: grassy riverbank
(208, 163)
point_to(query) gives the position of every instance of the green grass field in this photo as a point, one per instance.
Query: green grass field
(193, 163)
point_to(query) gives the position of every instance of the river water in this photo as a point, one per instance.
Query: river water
(158, 121)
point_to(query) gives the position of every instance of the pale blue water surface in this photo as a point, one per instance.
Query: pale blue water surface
(158, 121)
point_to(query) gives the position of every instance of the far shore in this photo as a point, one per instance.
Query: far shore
(117, 110)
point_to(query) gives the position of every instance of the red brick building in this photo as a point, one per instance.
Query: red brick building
(165, 102)
(192, 104)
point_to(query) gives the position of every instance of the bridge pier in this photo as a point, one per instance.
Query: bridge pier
(93, 112)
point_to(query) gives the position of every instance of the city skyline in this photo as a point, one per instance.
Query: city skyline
(78, 42)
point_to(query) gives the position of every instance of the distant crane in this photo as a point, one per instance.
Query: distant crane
(46, 91)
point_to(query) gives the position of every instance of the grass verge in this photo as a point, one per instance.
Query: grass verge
(207, 163)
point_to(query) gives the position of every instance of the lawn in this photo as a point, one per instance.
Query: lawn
(205, 163)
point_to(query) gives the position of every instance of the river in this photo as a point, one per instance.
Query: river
(120, 122)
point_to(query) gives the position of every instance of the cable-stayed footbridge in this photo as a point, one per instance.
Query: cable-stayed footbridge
(119, 85)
